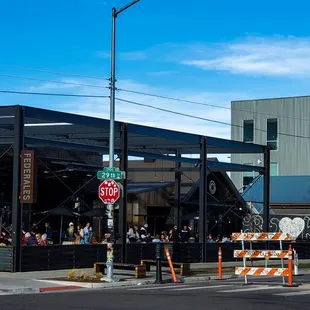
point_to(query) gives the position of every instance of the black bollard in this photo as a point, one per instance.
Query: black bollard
(159, 278)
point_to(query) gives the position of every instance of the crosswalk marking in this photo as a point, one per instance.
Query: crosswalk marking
(294, 293)
(200, 287)
(156, 287)
(250, 289)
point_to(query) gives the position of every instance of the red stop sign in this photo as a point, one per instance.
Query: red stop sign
(109, 191)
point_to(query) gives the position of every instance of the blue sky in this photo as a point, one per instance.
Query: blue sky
(207, 51)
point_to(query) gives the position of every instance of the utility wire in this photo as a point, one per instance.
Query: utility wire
(209, 105)
(205, 119)
(137, 92)
(51, 81)
(150, 107)
(57, 73)
(50, 94)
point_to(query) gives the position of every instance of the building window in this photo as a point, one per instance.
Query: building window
(273, 169)
(248, 176)
(248, 131)
(272, 133)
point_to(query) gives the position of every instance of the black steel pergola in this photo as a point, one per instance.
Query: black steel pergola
(26, 127)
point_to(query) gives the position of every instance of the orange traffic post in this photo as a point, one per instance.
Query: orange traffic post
(220, 267)
(174, 278)
(290, 269)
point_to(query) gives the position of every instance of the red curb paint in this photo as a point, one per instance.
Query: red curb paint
(59, 288)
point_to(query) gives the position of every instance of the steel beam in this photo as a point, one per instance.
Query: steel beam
(231, 146)
(6, 140)
(203, 197)
(7, 111)
(177, 192)
(7, 122)
(266, 189)
(103, 150)
(162, 133)
(122, 222)
(62, 117)
(16, 206)
(222, 166)
(164, 157)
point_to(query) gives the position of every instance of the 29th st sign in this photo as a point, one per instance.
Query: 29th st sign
(109, 191)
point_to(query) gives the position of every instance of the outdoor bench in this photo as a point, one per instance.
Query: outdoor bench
(184, 267)
(140, 271)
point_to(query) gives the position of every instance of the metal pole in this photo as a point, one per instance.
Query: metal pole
(112, 80)
(112, 115)
(112, 92)
(112, 99)
(266, 190)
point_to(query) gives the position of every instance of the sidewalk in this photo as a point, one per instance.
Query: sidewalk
(38, 281)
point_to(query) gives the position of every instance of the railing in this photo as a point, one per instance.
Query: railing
(7, 256)
(53, 257)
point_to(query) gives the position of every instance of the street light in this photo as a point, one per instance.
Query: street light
(115, 13)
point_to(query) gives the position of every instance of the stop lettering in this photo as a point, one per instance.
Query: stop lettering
(109, 191)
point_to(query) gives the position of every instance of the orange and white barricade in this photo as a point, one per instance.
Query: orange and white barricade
(264, 254)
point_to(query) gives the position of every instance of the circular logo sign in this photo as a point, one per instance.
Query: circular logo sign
(212, 187)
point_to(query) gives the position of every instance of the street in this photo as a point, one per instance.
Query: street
(227, 294)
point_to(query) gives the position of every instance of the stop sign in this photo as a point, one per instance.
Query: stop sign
(109, 191)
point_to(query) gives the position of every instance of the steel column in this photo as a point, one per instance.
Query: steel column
(266, 189)
(122, 220)
(177, 191)
(16, 206)
(203, 196)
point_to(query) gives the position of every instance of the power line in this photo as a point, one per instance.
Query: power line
(148, 106)
(204, 119)
(51, 81)
(210, 105)
(136, 92)
(55, 72)
(50, 94)
(175, 112)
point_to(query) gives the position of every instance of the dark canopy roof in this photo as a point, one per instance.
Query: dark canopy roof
(46, 128)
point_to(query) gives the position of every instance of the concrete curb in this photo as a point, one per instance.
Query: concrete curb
(132, 282)
(208, 278)
(99, 285)
(22, 290)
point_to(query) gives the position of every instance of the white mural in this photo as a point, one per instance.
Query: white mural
(296, 226)
(293, 227)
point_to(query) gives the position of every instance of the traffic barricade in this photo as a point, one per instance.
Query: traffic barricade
(284, 272)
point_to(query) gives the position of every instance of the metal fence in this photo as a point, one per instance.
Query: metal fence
(6, 261)
(53, 257)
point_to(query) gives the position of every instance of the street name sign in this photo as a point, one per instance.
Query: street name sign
(111, 173)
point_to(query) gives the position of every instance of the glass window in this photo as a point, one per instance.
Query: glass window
(273, 169)
(248, 131)
(272, 133)
(248, 176)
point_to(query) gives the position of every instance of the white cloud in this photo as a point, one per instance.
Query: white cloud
(277, 56)
(99, 107)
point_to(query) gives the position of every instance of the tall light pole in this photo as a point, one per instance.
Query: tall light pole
(115, 13)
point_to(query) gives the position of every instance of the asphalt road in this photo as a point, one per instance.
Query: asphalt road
(217, 295)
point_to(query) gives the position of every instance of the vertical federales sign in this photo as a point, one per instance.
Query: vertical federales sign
(27, 187)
